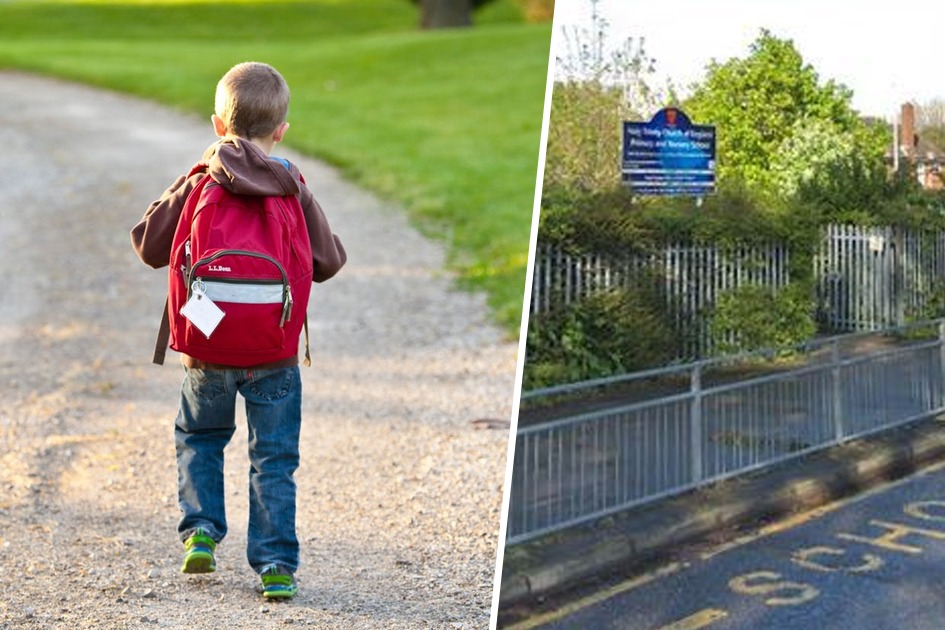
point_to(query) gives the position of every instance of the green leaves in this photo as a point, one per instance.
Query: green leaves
(608, 333)
(583, 138)
(754, 317)
(759, 102)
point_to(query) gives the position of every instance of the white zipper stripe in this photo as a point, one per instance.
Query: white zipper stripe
(238, 293)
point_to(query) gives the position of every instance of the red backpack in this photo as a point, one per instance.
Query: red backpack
(239, 279)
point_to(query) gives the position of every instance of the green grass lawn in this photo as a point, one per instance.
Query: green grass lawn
(446, 123)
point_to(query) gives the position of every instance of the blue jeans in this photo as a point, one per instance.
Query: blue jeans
(206, 422)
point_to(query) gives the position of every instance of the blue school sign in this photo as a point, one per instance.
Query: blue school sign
(669, 155)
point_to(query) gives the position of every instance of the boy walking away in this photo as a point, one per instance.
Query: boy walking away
(244, 239)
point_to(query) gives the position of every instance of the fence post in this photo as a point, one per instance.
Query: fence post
(837, 389)
(898, 282)
(695, 420)
(941, 362)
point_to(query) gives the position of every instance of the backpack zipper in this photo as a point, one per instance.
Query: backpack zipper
(185, 268)
(287, 292)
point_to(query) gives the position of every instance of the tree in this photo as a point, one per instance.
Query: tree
(931, 114)
(597, 85)
(838, 173)
(759, 102)
(930, 122)
(447, 13)
(809, 156)
(583, 139)
(589, 57)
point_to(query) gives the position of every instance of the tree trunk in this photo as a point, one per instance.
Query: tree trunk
(445, 13)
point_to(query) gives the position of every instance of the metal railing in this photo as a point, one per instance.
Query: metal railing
(661, 432)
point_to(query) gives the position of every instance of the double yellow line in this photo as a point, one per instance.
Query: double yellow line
(601, 596)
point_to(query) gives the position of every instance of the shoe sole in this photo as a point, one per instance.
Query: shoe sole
(280, 593)
(198, 563)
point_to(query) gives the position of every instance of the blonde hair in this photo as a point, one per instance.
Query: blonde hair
(252, 99)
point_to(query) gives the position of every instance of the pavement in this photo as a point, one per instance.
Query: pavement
(566, 560)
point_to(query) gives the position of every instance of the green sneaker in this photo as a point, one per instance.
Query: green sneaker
(199, 553)
(277, 583)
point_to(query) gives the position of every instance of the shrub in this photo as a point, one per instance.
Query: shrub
(609, 333)
(754, 317)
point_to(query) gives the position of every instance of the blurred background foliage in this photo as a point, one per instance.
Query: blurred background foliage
(445, 122)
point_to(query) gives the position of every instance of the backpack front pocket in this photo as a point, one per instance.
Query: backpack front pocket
(252, 291)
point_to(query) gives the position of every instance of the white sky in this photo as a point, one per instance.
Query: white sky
(886, 52)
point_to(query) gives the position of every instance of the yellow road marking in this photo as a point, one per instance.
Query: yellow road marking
(803, 558)
(573, 607)
(708, 616)
(801, 518)
(699, 620)
(783, 592)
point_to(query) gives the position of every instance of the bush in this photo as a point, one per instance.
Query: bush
(755, 317)
(614, 222)
(609, 333)
(931, 304)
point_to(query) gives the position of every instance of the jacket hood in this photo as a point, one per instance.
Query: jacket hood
(243, 168)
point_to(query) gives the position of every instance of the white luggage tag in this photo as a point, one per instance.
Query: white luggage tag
(201, 310)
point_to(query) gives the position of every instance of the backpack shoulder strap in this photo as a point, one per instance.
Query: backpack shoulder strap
(308, 346)
(164, 336)
(164, 330)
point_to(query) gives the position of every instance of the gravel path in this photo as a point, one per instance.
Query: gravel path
(405, 414)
